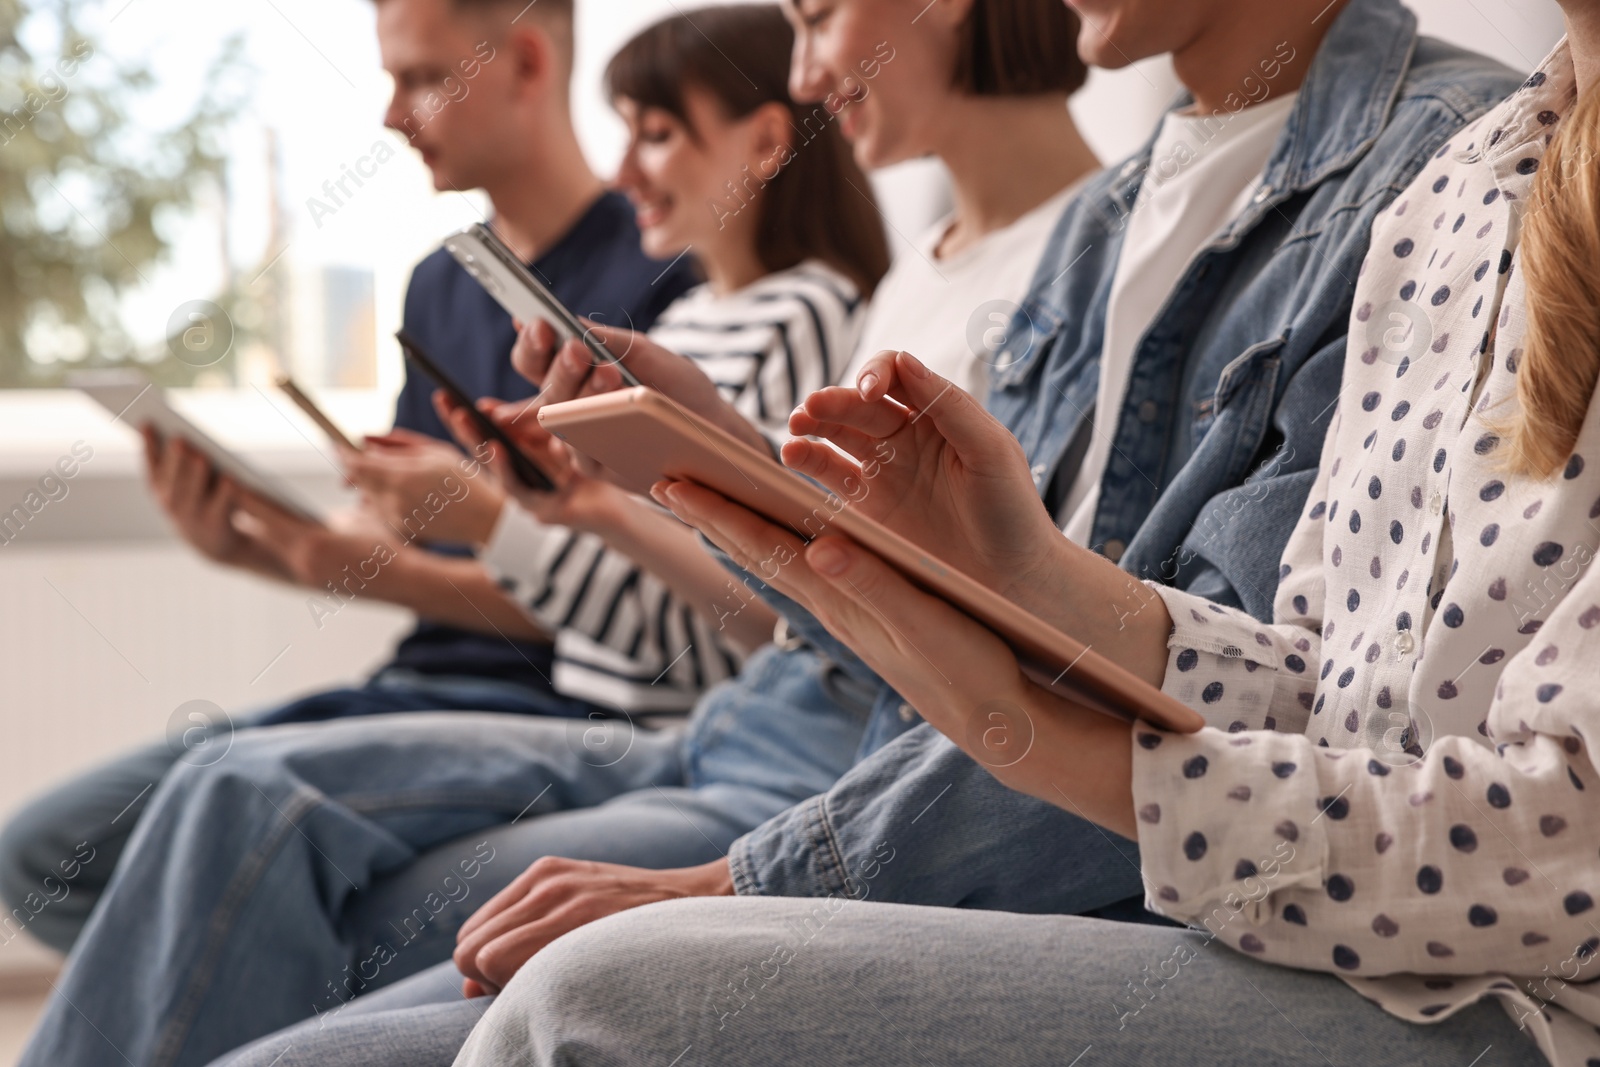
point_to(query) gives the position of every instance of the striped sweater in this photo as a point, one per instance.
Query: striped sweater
(623, 638)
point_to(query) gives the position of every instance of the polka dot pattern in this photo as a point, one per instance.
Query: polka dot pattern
(1421, 793)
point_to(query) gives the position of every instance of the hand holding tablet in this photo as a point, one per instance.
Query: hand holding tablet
(643, 438)
(137, 401)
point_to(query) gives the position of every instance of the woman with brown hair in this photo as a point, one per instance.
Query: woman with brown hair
(720, 172)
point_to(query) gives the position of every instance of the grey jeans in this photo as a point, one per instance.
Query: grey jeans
(712, 982)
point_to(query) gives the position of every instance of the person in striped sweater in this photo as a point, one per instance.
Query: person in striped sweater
(717, 170)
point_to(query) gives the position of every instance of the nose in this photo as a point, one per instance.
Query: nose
(807, 80)
(393, 112)
(630, 177)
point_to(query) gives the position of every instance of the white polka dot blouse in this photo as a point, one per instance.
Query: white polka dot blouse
(1395, 786)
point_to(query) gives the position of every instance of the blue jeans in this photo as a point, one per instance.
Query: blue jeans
(315, 863)
(420, 1022)
(390, 1031)
(718, 983)
(82, 826)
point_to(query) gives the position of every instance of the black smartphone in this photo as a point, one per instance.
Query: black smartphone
(526, 470)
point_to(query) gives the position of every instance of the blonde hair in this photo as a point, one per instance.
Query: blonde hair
(1559, 252)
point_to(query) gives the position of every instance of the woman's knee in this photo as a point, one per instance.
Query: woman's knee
(587, 996)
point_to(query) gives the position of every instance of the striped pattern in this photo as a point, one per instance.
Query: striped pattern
(773, 343)
(623, 638)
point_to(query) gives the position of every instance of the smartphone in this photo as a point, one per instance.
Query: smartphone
(526, 470)
(513, 286)
(314, 413)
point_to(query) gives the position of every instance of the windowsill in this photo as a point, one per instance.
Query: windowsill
(38, 426)
(106, 499)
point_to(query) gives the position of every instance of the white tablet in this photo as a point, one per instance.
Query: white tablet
(133, 398)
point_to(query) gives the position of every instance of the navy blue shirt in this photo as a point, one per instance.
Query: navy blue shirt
(598, 270)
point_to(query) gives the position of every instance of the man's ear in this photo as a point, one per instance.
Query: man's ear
(537, 64)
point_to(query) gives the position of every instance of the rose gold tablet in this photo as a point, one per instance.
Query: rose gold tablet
(643, 437)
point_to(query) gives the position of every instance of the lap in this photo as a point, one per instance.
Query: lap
(832, 981)
(416, 910)
(421, 1022)
(416, 762)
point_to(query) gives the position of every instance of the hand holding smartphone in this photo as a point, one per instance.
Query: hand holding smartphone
(504, 277)
(526, 470)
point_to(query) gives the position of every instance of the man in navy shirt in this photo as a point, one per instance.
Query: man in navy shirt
(484, 99)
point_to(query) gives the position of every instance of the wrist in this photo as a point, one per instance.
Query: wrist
(1080, 761)
(609, 513)
(714, 879)
(1050, 587)
(481, 513)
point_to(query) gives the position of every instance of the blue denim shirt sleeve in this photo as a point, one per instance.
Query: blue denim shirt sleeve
(921, 822)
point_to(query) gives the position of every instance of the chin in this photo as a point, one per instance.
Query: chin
(449, 179)
(658, 245)
(443, 180)
(1098, 46)
(872, 154)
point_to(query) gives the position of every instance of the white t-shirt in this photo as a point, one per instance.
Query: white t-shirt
(950, 313)
(1204, 170)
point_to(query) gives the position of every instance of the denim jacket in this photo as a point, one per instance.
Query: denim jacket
(1232, 385)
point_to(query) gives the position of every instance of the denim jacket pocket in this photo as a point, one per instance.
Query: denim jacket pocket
(1245, 389)
(1031, 333)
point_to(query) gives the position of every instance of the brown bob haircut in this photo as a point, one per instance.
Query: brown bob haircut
(1020, 48)
(819, 205)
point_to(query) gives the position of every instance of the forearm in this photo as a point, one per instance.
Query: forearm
(1080, 760)
(1087, 596)
(672, 551)
(459, 592)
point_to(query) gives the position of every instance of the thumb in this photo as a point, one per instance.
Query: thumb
(877, 375)
(274, 522)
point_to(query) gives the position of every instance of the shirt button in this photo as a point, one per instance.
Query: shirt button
(1129, 167)
(1148, 412)
(1114, 550)
(1262, 193)
(907, 713)
(1405, 643)
(1038, 472)
(1436, 502)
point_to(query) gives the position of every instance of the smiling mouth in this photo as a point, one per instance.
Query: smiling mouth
(849, 120)
(650, 214)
